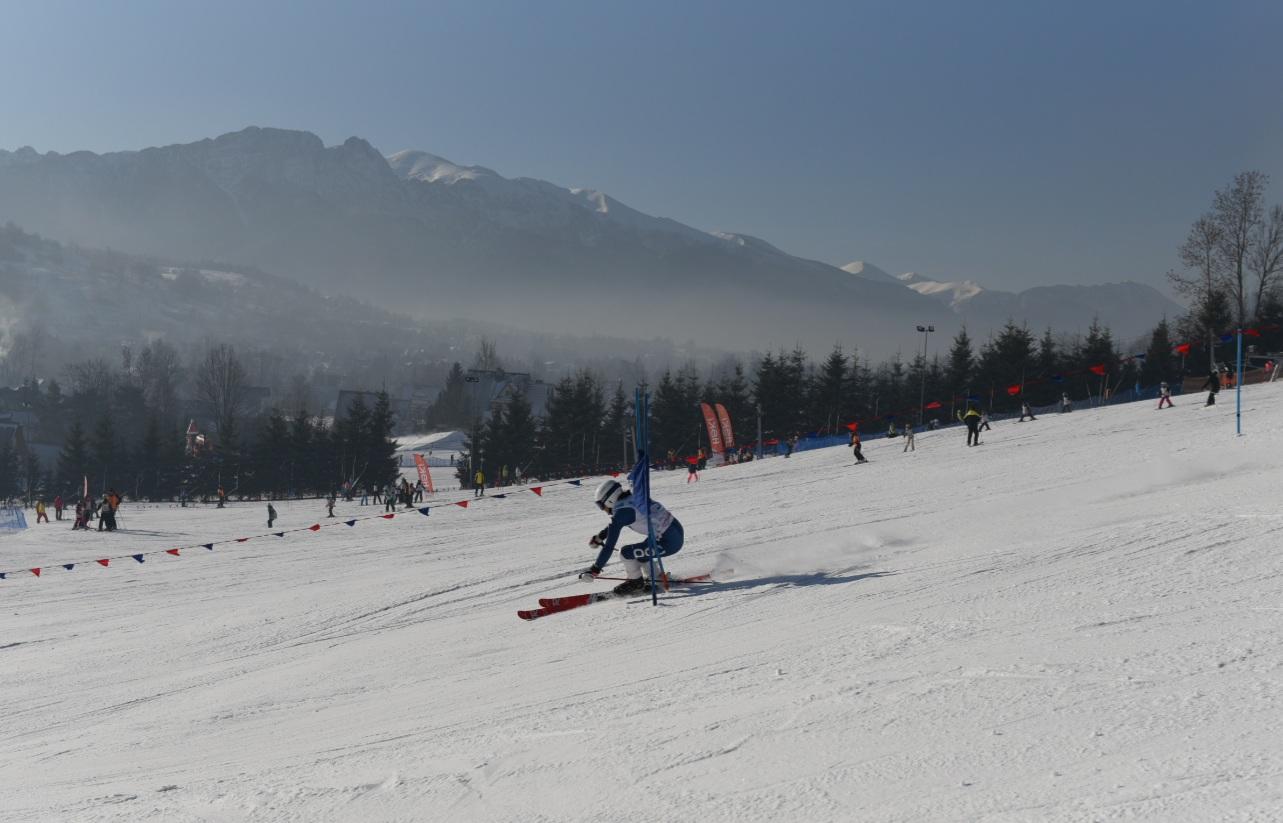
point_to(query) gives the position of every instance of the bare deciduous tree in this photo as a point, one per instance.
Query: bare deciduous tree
(1238, 212)
(159, 374)
(1267, 258)
(220, 387)
(1200, 255)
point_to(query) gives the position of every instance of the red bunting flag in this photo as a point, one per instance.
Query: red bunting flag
(1013, 390)
(174, 552)
(935, 404)
(1183, 348)
(104, 561)
(1099, 369)
(36, 572)
(241, 539)
(384, 516)
(538, 490)
(315, 527)
(462, 503)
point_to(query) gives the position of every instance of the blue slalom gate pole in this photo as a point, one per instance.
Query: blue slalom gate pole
(1238, 388)
(641, 486)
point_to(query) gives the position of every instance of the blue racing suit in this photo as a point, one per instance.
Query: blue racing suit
(668, 532)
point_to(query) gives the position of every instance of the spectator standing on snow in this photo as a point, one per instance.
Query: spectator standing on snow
(41, 514)
(58, 506)
(479, 484)
(908, 439)
(1213, 385)
(971, 418)
(1164, 395)
(329, 505)
(271, 515)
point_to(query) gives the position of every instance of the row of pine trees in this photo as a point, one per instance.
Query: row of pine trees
(588, 424)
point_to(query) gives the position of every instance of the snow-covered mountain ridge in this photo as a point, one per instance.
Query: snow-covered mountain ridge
(418, 233)
(1130, 309)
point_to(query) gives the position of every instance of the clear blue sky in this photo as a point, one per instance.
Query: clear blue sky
(1017, 143)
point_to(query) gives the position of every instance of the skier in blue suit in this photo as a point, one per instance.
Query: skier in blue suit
(617, 502)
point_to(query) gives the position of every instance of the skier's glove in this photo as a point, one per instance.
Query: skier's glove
(599, 539)
(589, 574)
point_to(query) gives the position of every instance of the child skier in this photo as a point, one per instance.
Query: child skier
(616, 501)
(1164, 395)
(1025, 411)
(271, 515)
(908, 439)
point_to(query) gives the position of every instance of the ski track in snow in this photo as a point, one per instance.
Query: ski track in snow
(1078, 620)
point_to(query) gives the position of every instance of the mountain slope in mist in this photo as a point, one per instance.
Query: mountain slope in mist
(424, 235)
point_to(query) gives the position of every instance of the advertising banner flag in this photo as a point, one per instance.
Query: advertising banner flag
(728, 434)
(425, 476)
(714, 434)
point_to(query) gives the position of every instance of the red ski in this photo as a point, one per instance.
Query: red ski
(553, 605)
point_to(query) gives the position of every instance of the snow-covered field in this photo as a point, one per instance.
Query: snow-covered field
(1078, 620)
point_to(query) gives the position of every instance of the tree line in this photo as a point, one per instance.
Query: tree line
(121, 429)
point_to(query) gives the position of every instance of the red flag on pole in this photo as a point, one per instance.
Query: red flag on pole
(1013, 390)
(1183, 348)
(852, 426)
(1099, 369)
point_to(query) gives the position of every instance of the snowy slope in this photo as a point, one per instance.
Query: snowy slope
(1078, 620)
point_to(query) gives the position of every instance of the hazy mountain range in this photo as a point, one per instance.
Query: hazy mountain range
(1129, 309)
(415, 232)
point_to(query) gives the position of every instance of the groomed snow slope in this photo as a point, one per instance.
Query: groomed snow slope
(1078, 620)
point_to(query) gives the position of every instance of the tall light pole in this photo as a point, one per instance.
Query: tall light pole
(922, 397)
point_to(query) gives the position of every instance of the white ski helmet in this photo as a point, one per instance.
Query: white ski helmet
(608, 493)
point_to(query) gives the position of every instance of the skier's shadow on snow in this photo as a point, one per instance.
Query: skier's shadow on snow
(777, 581)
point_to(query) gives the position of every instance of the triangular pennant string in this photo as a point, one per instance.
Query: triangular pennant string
(69, 566)
(349, 522)
(137, 557)
(462, 503)
(315, 527)
(278, 534)
(424, 511)
(576, 482)
(388, 516)
(104, 561)
(36, 572)
(174, 552)
(209, 546)
(538, 490)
